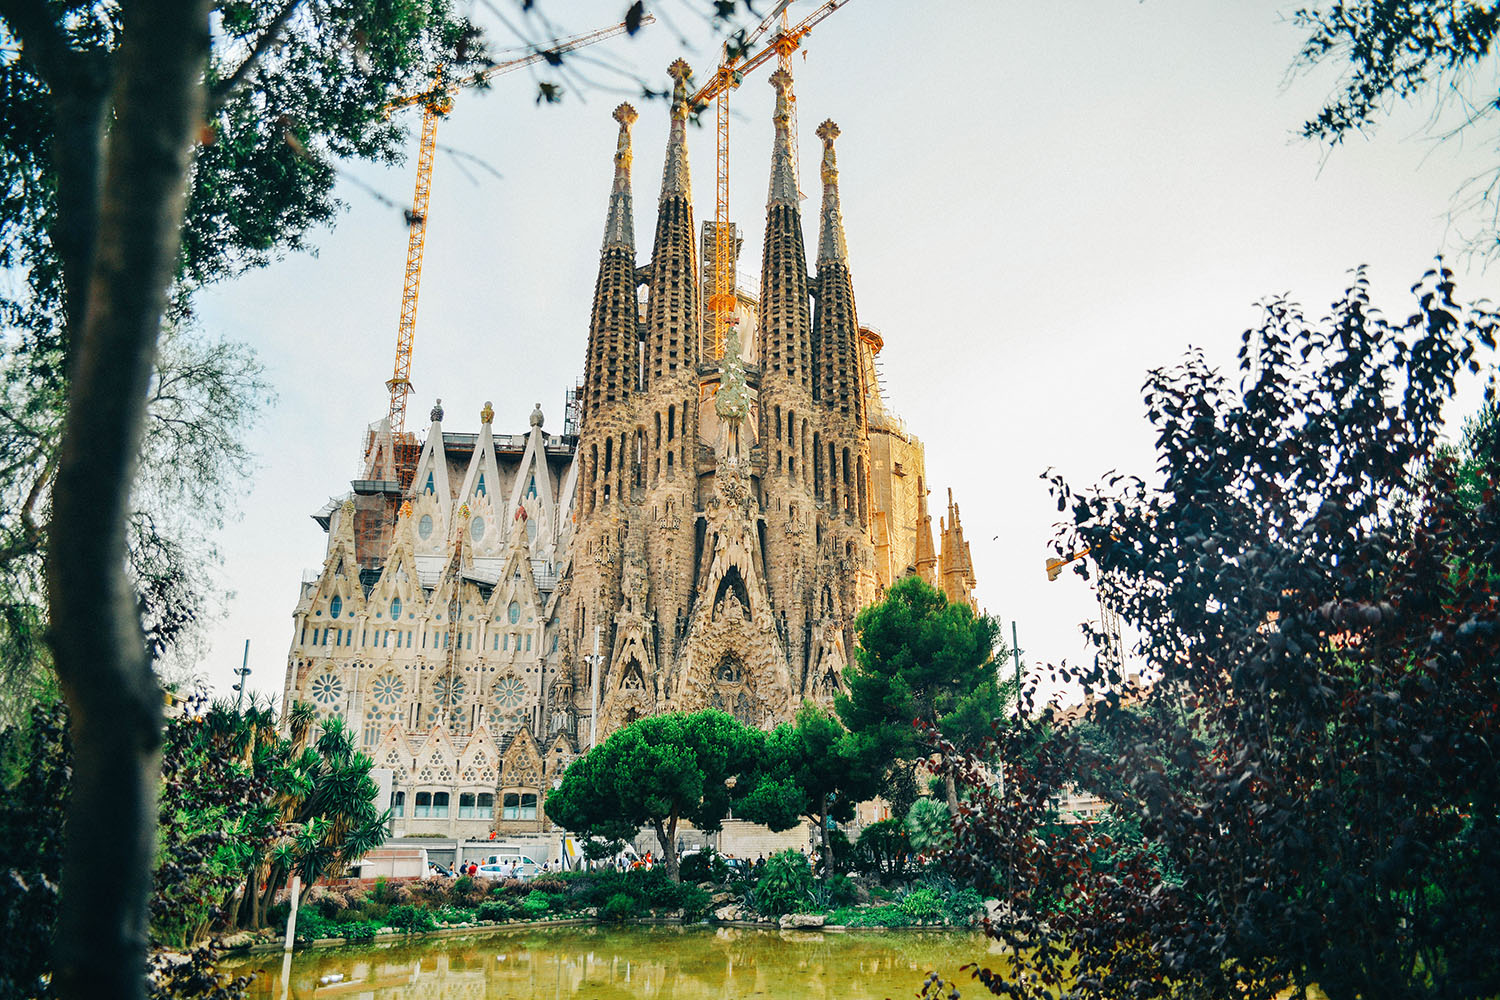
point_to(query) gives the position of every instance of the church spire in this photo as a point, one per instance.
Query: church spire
(926, 555)
(831, 247)
(835, 330)
(955, 563)
(783, 165)
(675, 177)
(673, 306)
(613, 328)
(785, 323)
(620, 229)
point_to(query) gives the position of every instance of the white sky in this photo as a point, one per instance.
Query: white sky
(1042, 201)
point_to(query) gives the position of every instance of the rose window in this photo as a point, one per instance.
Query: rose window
(447, 698)
(388, 689)
(448, 690)
(509, 691)
(327, 689)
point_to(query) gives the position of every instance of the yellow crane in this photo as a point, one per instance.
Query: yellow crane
(730, 74)
(436, 102)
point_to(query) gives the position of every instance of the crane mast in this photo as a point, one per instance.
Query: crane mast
(437, 102)
(729, 75)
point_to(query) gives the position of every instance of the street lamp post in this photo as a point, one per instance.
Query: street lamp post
(242, 673)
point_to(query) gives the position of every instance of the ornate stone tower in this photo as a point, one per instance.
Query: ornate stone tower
(714, 524)
(722, 563)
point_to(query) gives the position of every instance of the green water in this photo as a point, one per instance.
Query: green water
(671, 963)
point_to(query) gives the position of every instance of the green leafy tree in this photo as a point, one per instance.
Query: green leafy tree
(922, 662)
(813, 769)
(657, 772)
(130, 120)
(1313, 774)
(320, 814)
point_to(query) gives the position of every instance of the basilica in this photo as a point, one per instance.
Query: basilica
(701, 533)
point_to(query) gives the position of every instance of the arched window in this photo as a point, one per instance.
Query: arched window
(423, 808)
(513, 612)
(466, 805)
(395, 608)
(439, 805)
(335, 606)
(479, 486)
(398, 803)
(485, 807)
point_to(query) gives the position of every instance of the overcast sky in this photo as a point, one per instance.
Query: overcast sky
(1042, 202)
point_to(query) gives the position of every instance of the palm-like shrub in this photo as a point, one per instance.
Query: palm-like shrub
(786, 885)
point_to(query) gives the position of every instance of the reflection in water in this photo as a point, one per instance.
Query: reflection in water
(658, 963)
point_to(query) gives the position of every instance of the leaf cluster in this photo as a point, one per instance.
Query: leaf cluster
(1307, 791)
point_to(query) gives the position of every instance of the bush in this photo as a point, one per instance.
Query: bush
(922, 904)
(409, 919)
(454, 915)
(312, 925)
(870, 916)
(430, 892)
(495, 909)
(536, 904)
(834, 891)
(363, 930)
(785, 886)
(383, 892)
(965, 905)
(705, 866)
(619, 908)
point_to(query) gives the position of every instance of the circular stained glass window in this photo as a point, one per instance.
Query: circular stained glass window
(327, 689)
(513, 612)
(388, 689)
(448, 690)
(335, 606)
(395, 608)
(424, 526)
(476, 528)
(509, 691)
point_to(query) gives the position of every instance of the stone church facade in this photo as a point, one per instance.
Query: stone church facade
(702, 535)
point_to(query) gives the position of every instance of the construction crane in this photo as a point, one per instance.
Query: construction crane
(729, 75)
(436, 102)
(1109, 615)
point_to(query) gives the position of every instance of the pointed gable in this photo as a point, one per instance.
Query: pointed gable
(436, 762)
(338, 595)
(395, 752)
(522, 765)
(398, 578)
(480, 761)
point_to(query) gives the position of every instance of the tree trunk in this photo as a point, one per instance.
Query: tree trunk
(667, 837)
(823, 838)
(952, 788)
(99, 647)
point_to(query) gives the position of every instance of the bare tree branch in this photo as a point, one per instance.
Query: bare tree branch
(225, 88)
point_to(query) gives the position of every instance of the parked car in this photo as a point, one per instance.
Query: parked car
(520, 866)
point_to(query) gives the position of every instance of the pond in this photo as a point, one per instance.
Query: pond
(599, 963)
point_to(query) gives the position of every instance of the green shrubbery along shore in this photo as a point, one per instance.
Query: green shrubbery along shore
(783, 885)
